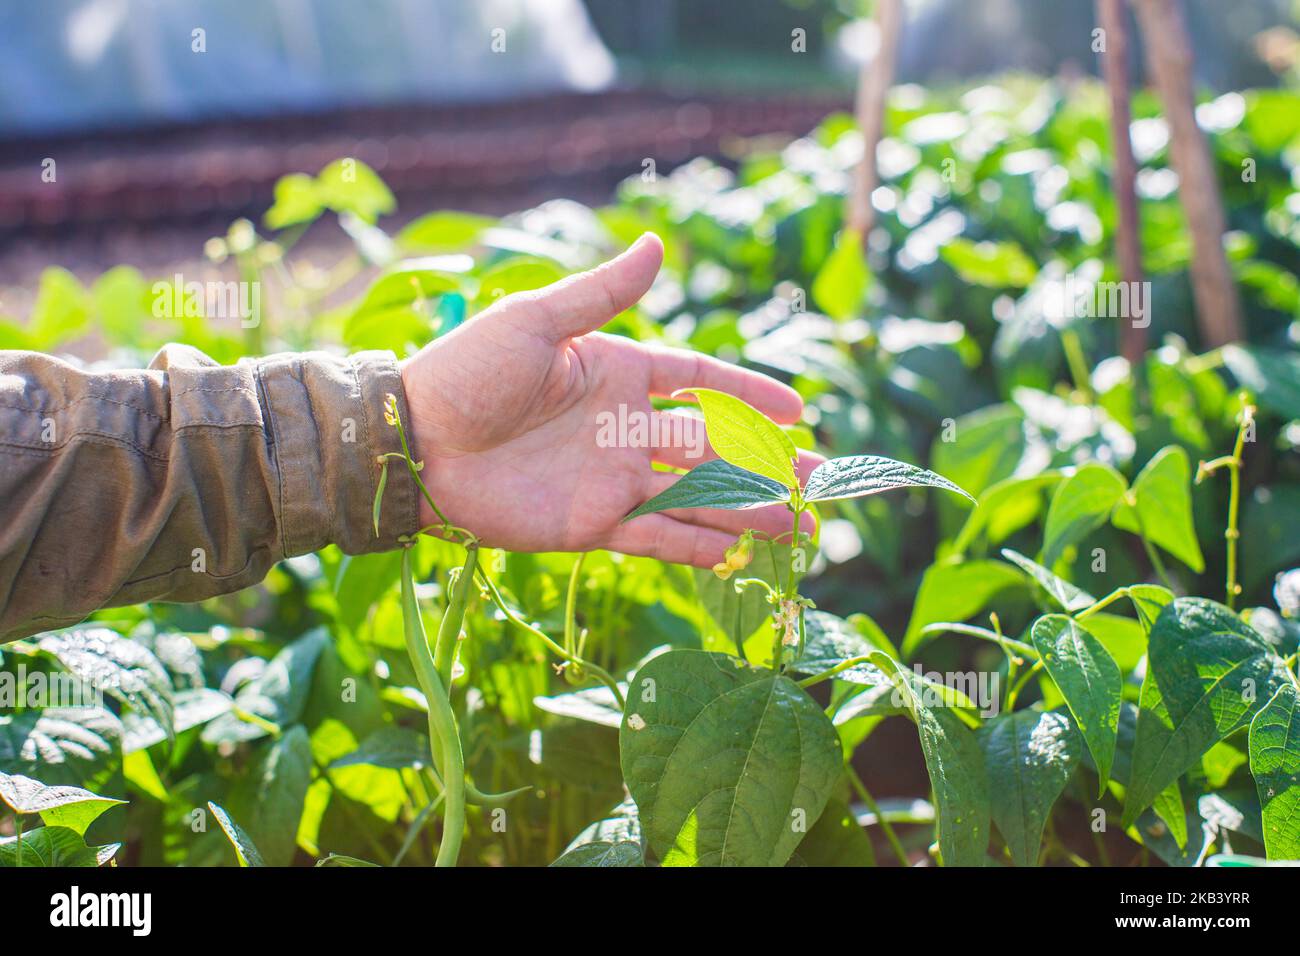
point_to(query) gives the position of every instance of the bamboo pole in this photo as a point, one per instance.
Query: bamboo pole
(1169, 60)
(874, 80)
(1128, 248)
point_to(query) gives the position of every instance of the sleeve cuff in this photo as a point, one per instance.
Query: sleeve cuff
(327, 429)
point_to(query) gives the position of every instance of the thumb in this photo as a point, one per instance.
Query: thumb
(586, 301)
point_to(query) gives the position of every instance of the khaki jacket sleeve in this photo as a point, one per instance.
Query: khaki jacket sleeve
(185, 480)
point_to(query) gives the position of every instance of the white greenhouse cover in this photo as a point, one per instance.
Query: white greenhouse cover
(68, 64)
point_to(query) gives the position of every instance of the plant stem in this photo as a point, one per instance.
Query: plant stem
(971, 630)
(832, 671)
(1078, 363)
(789, 592)
(1232, 534)
(443, 735)
(599, 673)
(865, 795)
(1020, 683)
(1108, 600)
(1152, 554)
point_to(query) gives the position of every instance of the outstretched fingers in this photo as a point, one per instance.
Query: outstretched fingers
(672, 369)
(665, 538)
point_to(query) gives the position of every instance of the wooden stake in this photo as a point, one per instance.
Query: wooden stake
(1169, 59)
(1128, 248)
(874, 80)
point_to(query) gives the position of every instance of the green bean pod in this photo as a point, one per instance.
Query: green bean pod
(444, 649)
(444, 739)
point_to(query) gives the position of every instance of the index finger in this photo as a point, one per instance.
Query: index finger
(672, 369)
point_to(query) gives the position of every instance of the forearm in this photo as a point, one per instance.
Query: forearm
(183, 481)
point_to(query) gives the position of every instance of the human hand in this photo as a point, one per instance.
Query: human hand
(507, 413)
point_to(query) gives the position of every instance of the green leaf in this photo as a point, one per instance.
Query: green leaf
(142, 776)
(1169, 807)
(193, 707)
(1207, 675)
(997, 265)
(1275, 765)
(444, 231)
(1069, 597)
(379, 494)
(843, 279)
(595, 705)
(602, 853)
(716, 484)
(860, 475)
(124, 669)
(837, 839)
(1267, 522)
(54, 846)
(70, 807)
(60, 745)
(297, 200)
(278, 694)
(1123, 637)
(516, 274)
(397, 310)
(1272, 374)
(885, 700)
(338, 859)
(956, 592)
(1029, 755)
(724, 760)
(1082, 503)
(1004, 508)
(987, 445)
(1162, 507)
(273, 793)
(245, 850)
(349, 185)
(1089, 680)
(614, 841)
(400, 289)
(746, 437)
(831, 640)
(955, 764)
(61, 310)
(1148, 601)
(390, 746)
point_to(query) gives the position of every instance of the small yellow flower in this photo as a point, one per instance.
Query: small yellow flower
(742, 552)
(722, 569)
(390, 409)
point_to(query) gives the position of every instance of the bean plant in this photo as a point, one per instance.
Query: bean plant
(1091, 664)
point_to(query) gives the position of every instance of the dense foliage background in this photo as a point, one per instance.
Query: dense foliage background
(291, 705)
